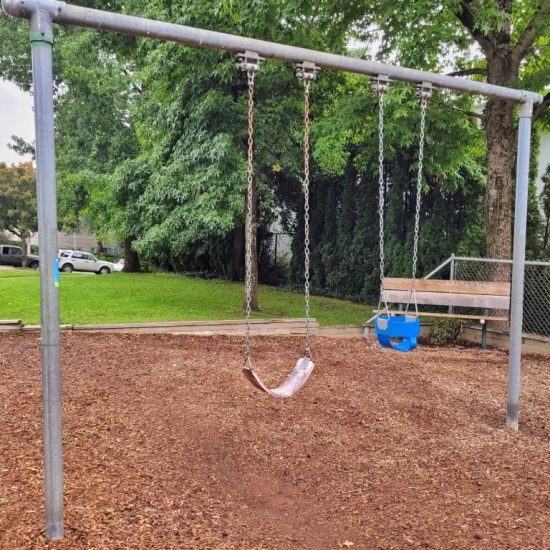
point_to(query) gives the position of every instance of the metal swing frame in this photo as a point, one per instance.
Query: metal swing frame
(42, 14)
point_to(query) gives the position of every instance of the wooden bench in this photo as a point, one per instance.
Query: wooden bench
(482, 295)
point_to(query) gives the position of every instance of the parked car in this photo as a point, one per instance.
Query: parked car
(74, 260)
(13, 255)
(119, 266)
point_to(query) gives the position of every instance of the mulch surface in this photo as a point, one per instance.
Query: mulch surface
(167, 446)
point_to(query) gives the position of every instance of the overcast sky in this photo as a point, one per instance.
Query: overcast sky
(16, 118)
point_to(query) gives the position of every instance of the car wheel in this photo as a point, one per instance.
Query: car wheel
(104, 270)
(33, 265)
(67, 268)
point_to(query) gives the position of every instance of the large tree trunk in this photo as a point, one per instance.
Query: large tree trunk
(501, 158)
(131, 258)
(254, 247)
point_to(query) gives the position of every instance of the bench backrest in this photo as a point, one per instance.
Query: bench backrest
(478, 294)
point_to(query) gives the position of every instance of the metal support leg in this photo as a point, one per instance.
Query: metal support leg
(518, 269)
(452, 277)
(42, 41)
(484, 331)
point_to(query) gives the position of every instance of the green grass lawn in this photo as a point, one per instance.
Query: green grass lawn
(133, 298)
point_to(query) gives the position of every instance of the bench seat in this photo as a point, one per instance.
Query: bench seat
(484, 295)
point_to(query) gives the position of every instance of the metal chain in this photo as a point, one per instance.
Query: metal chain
(306, 215)
(381, 182)
(425, 94)
(381, 86)
(251, 73)
(306, 72)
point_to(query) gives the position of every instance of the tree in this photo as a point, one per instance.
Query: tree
(512, 49)
(18, 201)
(345, 258)
(190, 117)
(95, 135)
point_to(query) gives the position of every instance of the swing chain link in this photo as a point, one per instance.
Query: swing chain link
(380, 85)
(249, 62)
(306, 72)
(425, 92)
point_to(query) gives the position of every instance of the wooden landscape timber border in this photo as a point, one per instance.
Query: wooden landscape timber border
(9, 325)
(531, 343)
(265, 327)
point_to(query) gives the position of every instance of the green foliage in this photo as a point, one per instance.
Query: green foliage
(446, 331)
(190, 119)
(94, 132)
(15, 52)
(345, 252)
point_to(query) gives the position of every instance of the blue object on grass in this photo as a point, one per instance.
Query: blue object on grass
(399, 332)
(56, 272)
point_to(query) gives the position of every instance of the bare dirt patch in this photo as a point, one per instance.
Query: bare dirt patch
(167, 446)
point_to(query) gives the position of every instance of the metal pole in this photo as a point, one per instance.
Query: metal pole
(518, 267)
(452, 276)
(67, 14)
(500, 261)
(438, 268)
(42, 41)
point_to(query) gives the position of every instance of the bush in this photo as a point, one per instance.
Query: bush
(446, 331)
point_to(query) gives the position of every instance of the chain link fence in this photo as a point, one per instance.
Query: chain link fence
(275, 254)
(536, 302)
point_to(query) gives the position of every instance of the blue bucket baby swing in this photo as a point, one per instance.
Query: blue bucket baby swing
(398, 331)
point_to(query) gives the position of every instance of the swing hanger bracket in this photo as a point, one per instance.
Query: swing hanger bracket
(249, 61)
(381, 83)
(425, 90)
(306, 70)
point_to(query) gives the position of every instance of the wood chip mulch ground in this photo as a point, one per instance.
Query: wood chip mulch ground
(168, 446)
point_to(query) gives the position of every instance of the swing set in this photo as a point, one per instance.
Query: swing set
(306, 72)
(399, 332)
(42, 15)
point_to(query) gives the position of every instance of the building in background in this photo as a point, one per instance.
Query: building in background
(81, 240)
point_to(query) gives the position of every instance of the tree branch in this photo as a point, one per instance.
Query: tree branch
(541, 107)
(530, 33)
(466, 72)
(463, 111)
(14, 231)
(466, 17)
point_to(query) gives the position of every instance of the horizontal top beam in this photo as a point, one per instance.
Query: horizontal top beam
(66, 14)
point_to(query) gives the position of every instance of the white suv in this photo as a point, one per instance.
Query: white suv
(74, 260)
